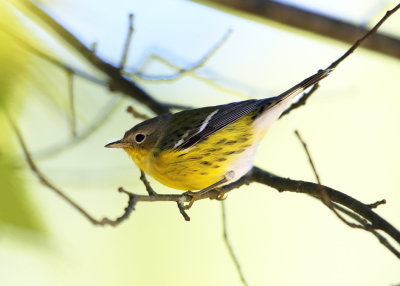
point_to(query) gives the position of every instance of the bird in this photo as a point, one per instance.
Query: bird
(206, 148)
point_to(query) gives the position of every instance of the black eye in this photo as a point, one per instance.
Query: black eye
(139, 138)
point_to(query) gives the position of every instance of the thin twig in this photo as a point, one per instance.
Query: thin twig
(101, 82)
(178, 106)
(136, 114)
(127, 211)
(71, 96)
(139, 115)
(117, 82)
(46, 182)
(146, 183)
(37, 52)
(94, 48)
(336, 208)
(308, 156)
(302, 101)
(362, 221)
(42, 177)
(377, 204)
(314, 22)
(333, 65)
(103, 115)
(285, 184)
(210, 80)
(127, 43)
(373, 30)
(181, 207)
(187, 69)
(324, 196)
(74, 71)
(229, 246)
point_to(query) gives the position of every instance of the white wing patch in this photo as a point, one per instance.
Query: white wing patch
(202, 127)
(180, 141)
(205, 122)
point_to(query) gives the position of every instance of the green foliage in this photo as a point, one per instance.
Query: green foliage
(16, 208)
(13, 59)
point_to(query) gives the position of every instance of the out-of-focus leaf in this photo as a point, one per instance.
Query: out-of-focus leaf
(13, 58)
(16, 208)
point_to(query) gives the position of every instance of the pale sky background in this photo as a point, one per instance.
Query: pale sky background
(350, 125)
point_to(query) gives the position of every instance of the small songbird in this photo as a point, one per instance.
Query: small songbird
(205, 148)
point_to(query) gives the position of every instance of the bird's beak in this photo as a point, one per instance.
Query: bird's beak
(117, 144)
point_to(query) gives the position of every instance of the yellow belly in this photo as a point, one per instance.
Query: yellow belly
(205, 163)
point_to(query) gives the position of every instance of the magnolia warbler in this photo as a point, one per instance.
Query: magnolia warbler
(205, 148)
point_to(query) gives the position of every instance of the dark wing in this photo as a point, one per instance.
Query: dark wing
(217, 119)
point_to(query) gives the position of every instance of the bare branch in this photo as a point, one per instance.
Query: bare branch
(308, 156)
(377, 204)
(136, 114)
(101, 82)
(117, 81)
(127, 212)
(360, 41)
(362, 221)
(324, 196)
(103, 115)
(178, 106)
(94, 48)
(212, 82)
(336, 208)
(315, 23)
(181, 207)
(127, 43)
(229, 246)
(46, 182)
(54, 60)
(302, 101)
(284, 184)
(367, 35)
(71, 96)
(185, 70)
(149, 189)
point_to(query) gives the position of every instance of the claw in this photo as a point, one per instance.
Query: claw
(193, 198)
(221, 195)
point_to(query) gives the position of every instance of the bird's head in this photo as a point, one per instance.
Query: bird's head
(140, 140)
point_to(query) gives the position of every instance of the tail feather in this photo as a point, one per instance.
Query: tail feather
(300, 87)
(276, 105)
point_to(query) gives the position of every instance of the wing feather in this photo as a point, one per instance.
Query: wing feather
(223, 115)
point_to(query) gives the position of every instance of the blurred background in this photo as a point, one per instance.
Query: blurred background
(350, 125)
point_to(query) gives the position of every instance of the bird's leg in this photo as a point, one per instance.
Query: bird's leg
(195, 195)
